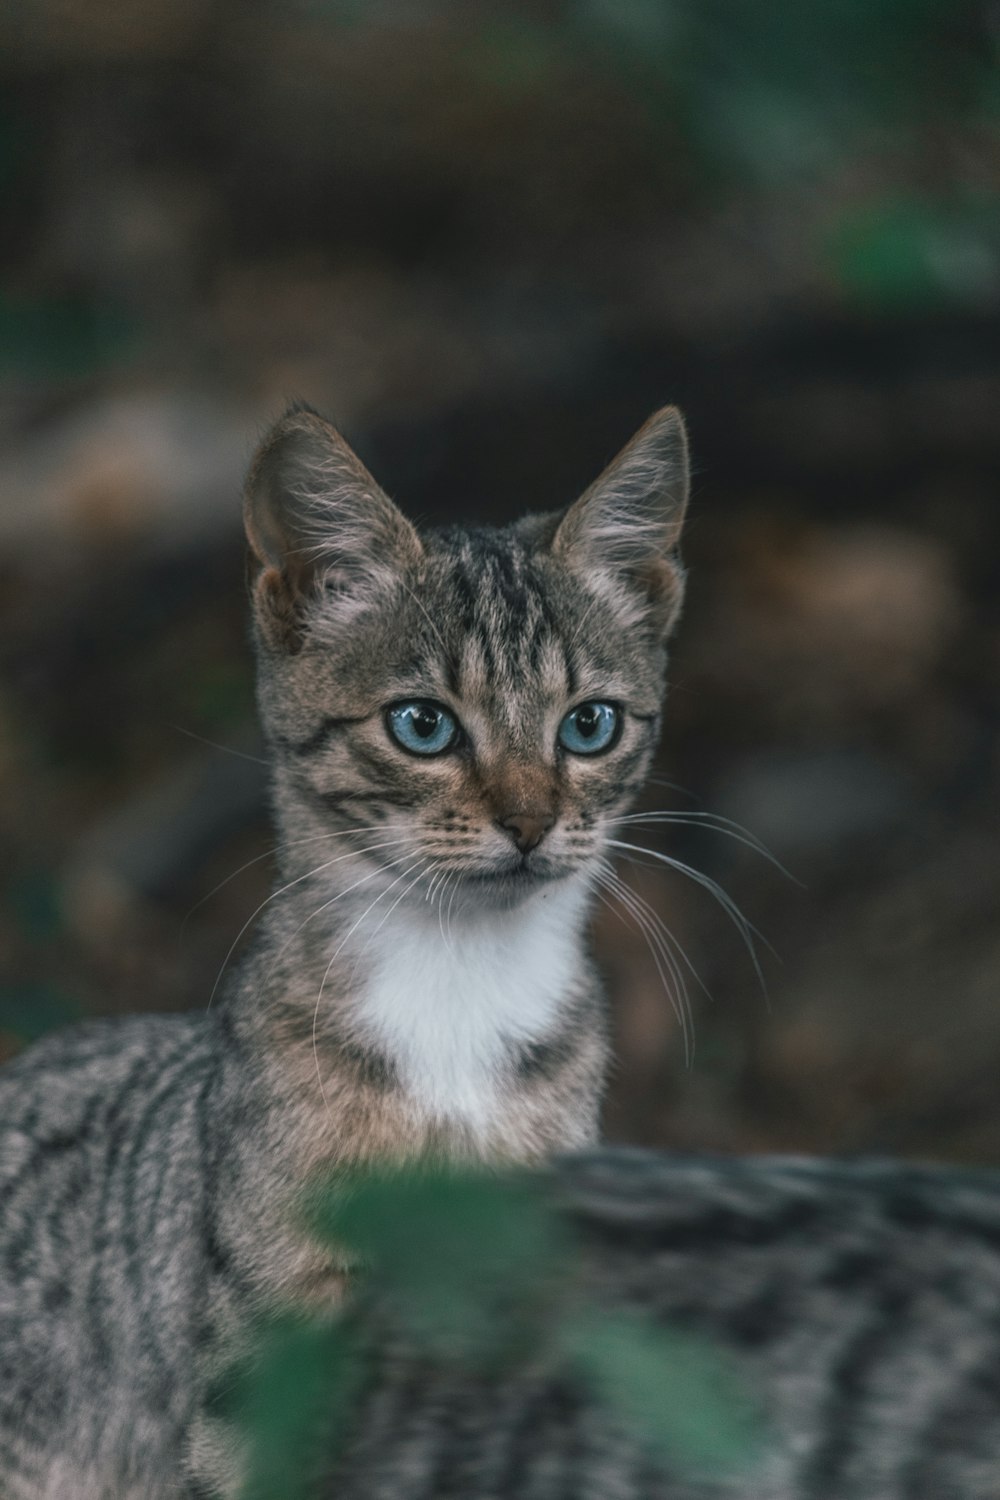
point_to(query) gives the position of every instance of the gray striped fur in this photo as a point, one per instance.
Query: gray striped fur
(150, 1170)
(859, 1302)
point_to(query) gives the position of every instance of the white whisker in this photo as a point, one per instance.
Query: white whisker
(351, 854)
(744, 927)
(333, 958)
(445, 935)
(717, 824)
(390, 864)
(313, 838)
(653, 929)
(214, 745)
(666, 935)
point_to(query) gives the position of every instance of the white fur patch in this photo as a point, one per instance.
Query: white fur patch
(445, 1006)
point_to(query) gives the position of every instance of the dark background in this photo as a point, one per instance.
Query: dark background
(487, 240)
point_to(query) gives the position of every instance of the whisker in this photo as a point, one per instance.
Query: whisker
(386, 915)
(440, 875)
(351, 854)
(427, 616)
(451, 903)
(672, 786)
(743, 925)
(445, 935)
(313, 838)
(676, 1005)
(332, 901)
(667, 936)
(214, 745)
(333, 958)
(662, 957)
(718, 824)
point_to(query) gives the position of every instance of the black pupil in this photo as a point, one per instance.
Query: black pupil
(587, 720)
(425, 722)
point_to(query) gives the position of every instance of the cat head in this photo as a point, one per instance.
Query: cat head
(472, 705)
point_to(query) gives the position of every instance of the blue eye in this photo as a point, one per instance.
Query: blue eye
(590, 728)
(422, 728)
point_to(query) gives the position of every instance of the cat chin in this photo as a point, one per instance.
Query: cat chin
(506, 888)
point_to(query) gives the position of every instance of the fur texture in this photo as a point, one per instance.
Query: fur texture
(857, 1302)
(419, 985)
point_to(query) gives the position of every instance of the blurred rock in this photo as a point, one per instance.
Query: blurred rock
(837, 621)
(817, 804)
(155, 470)
(142, 852)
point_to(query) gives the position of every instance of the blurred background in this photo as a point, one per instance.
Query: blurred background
(488, 240)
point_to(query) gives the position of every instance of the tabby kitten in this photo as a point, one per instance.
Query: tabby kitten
(455, 721)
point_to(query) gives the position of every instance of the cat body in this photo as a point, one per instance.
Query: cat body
(455, 722)
(855, 1304)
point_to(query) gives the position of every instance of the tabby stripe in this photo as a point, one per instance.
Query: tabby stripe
(408, 1428)
(537, 641)
(715, 1227)
(763, 1318)
(449, 1470)
(221, 1261)
(51, 1145)
(544, 1060)
(136, 1247)
(955, 1425)
(18, 1260)
(512, 1435)
(908, 1210)
(55, 1293)
(572, 674)
(117, 1129)
(326, 801)
(150, 1119)
(467, 598)
(485, 644)
(320, 735)
(841, 1415)
(378, 765)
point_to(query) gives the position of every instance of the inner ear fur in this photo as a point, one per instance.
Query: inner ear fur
(625, 529)
(316, 520)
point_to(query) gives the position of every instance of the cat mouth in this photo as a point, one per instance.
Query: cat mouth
(520, 875)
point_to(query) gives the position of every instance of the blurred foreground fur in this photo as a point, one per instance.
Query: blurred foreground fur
(806, 1331)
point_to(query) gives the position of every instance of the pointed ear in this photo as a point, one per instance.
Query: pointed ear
(623, 532)
(317, 522)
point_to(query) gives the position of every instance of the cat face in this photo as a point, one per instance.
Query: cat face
(471, 707)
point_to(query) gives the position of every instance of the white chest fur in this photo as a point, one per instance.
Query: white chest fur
(446, 1006)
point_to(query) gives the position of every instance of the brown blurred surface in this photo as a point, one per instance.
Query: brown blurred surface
(487, 242)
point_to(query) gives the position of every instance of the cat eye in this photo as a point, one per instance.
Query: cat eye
(590, 728)
(422, 728)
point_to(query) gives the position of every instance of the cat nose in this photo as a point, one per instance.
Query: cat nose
(527, 829)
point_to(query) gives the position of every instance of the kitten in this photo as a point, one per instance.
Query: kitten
(455, 722)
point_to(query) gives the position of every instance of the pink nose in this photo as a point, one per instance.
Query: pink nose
(527, 829)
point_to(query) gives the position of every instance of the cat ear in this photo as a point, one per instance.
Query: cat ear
(317, 521)
(622, 533)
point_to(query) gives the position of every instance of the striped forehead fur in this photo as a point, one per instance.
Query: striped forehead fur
(502, 607)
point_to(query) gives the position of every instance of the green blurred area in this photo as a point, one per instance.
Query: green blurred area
(485, 1278)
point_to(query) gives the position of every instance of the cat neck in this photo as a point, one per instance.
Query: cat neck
(443, 1004)
(449, 1004)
